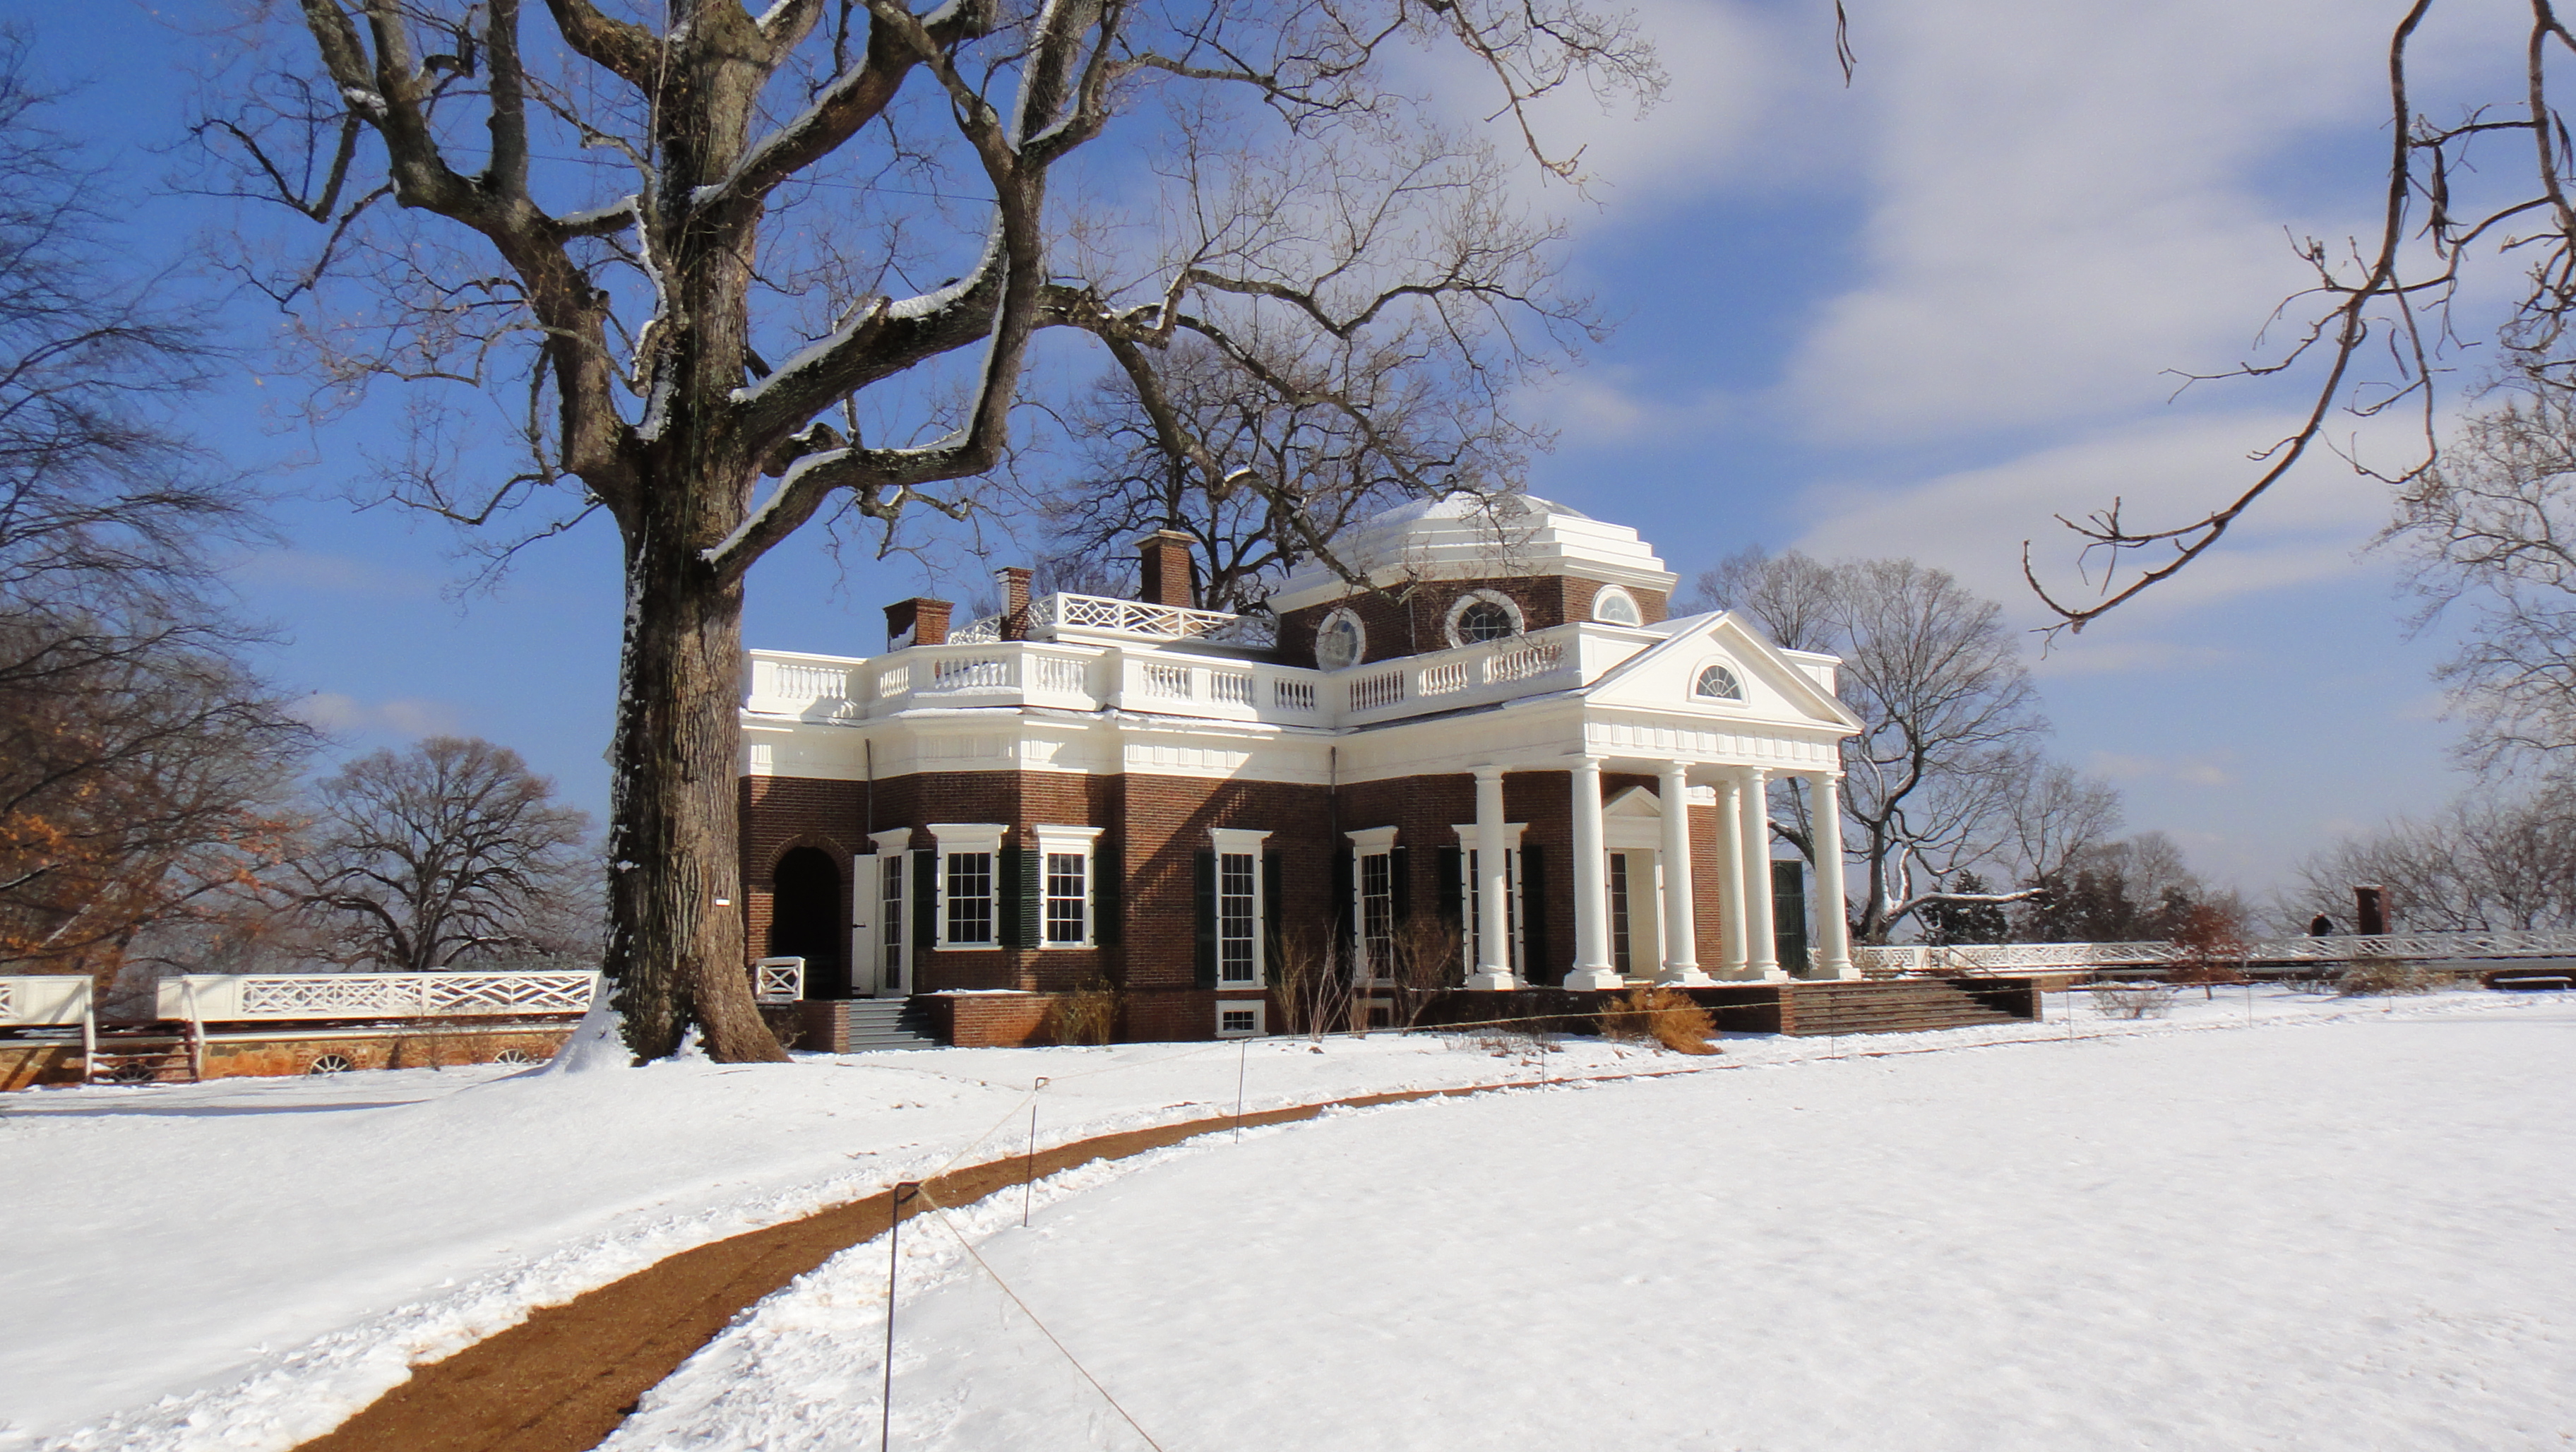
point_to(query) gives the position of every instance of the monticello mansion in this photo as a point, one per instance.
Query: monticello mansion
(1507, 729)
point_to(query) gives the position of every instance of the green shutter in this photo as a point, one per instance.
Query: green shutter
(1022, 886)
(1107, 878)
(1272, 914)
(1452, 887)
(1535, 958)
(1203, 865)
(1789, 913)
(1345, 926)
(1400, 878)
(925, 903)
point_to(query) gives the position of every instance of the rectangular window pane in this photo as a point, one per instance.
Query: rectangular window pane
(890, 937)
(1241, 1021)
(1377, 914)
(970, 897)
(1620, 956)
(1068, 896)
(1237, 875)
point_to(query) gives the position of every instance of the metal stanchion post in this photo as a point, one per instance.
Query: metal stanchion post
(1242, 1061)
(903, 1190)
(1029, 1172)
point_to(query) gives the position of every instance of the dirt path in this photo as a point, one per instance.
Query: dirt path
(563, 1379)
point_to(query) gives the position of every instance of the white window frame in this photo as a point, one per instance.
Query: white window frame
(891, 928)
(1458, 611)
(956, 838)
(1241, 842)
(1468, 892)
(1068, 841)
(1636, 613)
(1359, 638)
(1366, 843)
(1743, 694)
(1258, 1008)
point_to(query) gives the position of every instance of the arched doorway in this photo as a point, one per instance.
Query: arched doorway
(806, 920)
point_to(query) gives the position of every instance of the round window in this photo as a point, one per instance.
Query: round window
(1614, 606)
(1340, 642)
(1719, 683)
(1482, 615)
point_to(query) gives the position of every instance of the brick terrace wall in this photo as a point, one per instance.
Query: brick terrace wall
(993, 1020)
(1412, 626)
(779, 814)
(402, 1048)
(25, 1063)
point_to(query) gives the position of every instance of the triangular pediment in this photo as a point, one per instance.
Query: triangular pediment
(1773, 687)
(1636, 801)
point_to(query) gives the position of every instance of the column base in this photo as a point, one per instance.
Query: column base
(1831, 974)
(1686, 975)
(1595, 980)
(1502, 982)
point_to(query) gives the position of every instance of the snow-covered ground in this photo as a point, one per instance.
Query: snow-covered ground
(2343, 1227)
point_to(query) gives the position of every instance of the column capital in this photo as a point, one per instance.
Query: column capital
(1488, 771)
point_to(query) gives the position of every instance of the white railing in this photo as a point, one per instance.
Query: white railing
(1376, 692)
(1166, 682)
(1446, 678)
(814, 687)
(231, 997)
(971, 673)
(1231, 687)
(1520, 665)
(2340, 948)
(1288, 695)
(1061, 673)
(778, 980)
(978, 632)
(1126, 617)
(894, 681)
(44, 999)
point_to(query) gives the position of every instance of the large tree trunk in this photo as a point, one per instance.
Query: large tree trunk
(675, 947)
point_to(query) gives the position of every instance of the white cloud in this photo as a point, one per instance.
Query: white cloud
(2204, 769)
(336, 574)
(407, 717)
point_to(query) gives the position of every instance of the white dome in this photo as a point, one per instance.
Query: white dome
(1480, 537)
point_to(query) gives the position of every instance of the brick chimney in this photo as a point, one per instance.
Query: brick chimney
(1166, 556)
(917, 621)
(2370, 906)
(1015, 601)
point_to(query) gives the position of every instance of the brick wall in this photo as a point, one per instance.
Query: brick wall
(28, 1062)
(993, 1020)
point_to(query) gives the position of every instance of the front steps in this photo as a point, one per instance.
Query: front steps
(865, 1025)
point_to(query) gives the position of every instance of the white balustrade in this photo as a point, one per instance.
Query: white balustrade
(971, 673)
(44, 998)
(1288, 695)
(986, 631)
(1126, 617)
(1165, 682)
(2339, 948)
(1060, 673)
(1447, 678)
(1519, 665)
(227, 997)
(1230, 687)
(1377, 692)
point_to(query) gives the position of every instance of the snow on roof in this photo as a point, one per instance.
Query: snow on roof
(1469, 536)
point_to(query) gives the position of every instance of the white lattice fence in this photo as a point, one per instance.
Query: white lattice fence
(291, 996)
(2342, 948)
(1127, 617)
(778, 980)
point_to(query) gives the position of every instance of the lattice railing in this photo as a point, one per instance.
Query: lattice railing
(2340, 948)
(778, 980)
(1127, 617)
(374, 995)
(986, 631)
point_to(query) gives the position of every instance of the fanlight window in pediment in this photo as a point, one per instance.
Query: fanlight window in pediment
(1717, 683)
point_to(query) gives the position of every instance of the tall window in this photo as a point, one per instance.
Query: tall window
(890, 938)
(970, 899)
(1377, 915)
(1068, 899)
(1238, 917)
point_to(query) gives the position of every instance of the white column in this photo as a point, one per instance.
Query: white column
(1592, 966)
(1493, 884)
(1762, 951)
(1730, 875)
(1681, 928)
(1832, 953)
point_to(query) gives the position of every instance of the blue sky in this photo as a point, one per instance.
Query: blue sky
(1915, 316)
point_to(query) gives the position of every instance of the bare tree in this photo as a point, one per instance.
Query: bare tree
(142, 767)
(2485, 863)
(1945, 774)
(2493, 530)
(2488, 188)
(451, 852)
(732, 294)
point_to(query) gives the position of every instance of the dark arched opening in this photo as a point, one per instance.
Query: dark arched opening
(806, 921)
